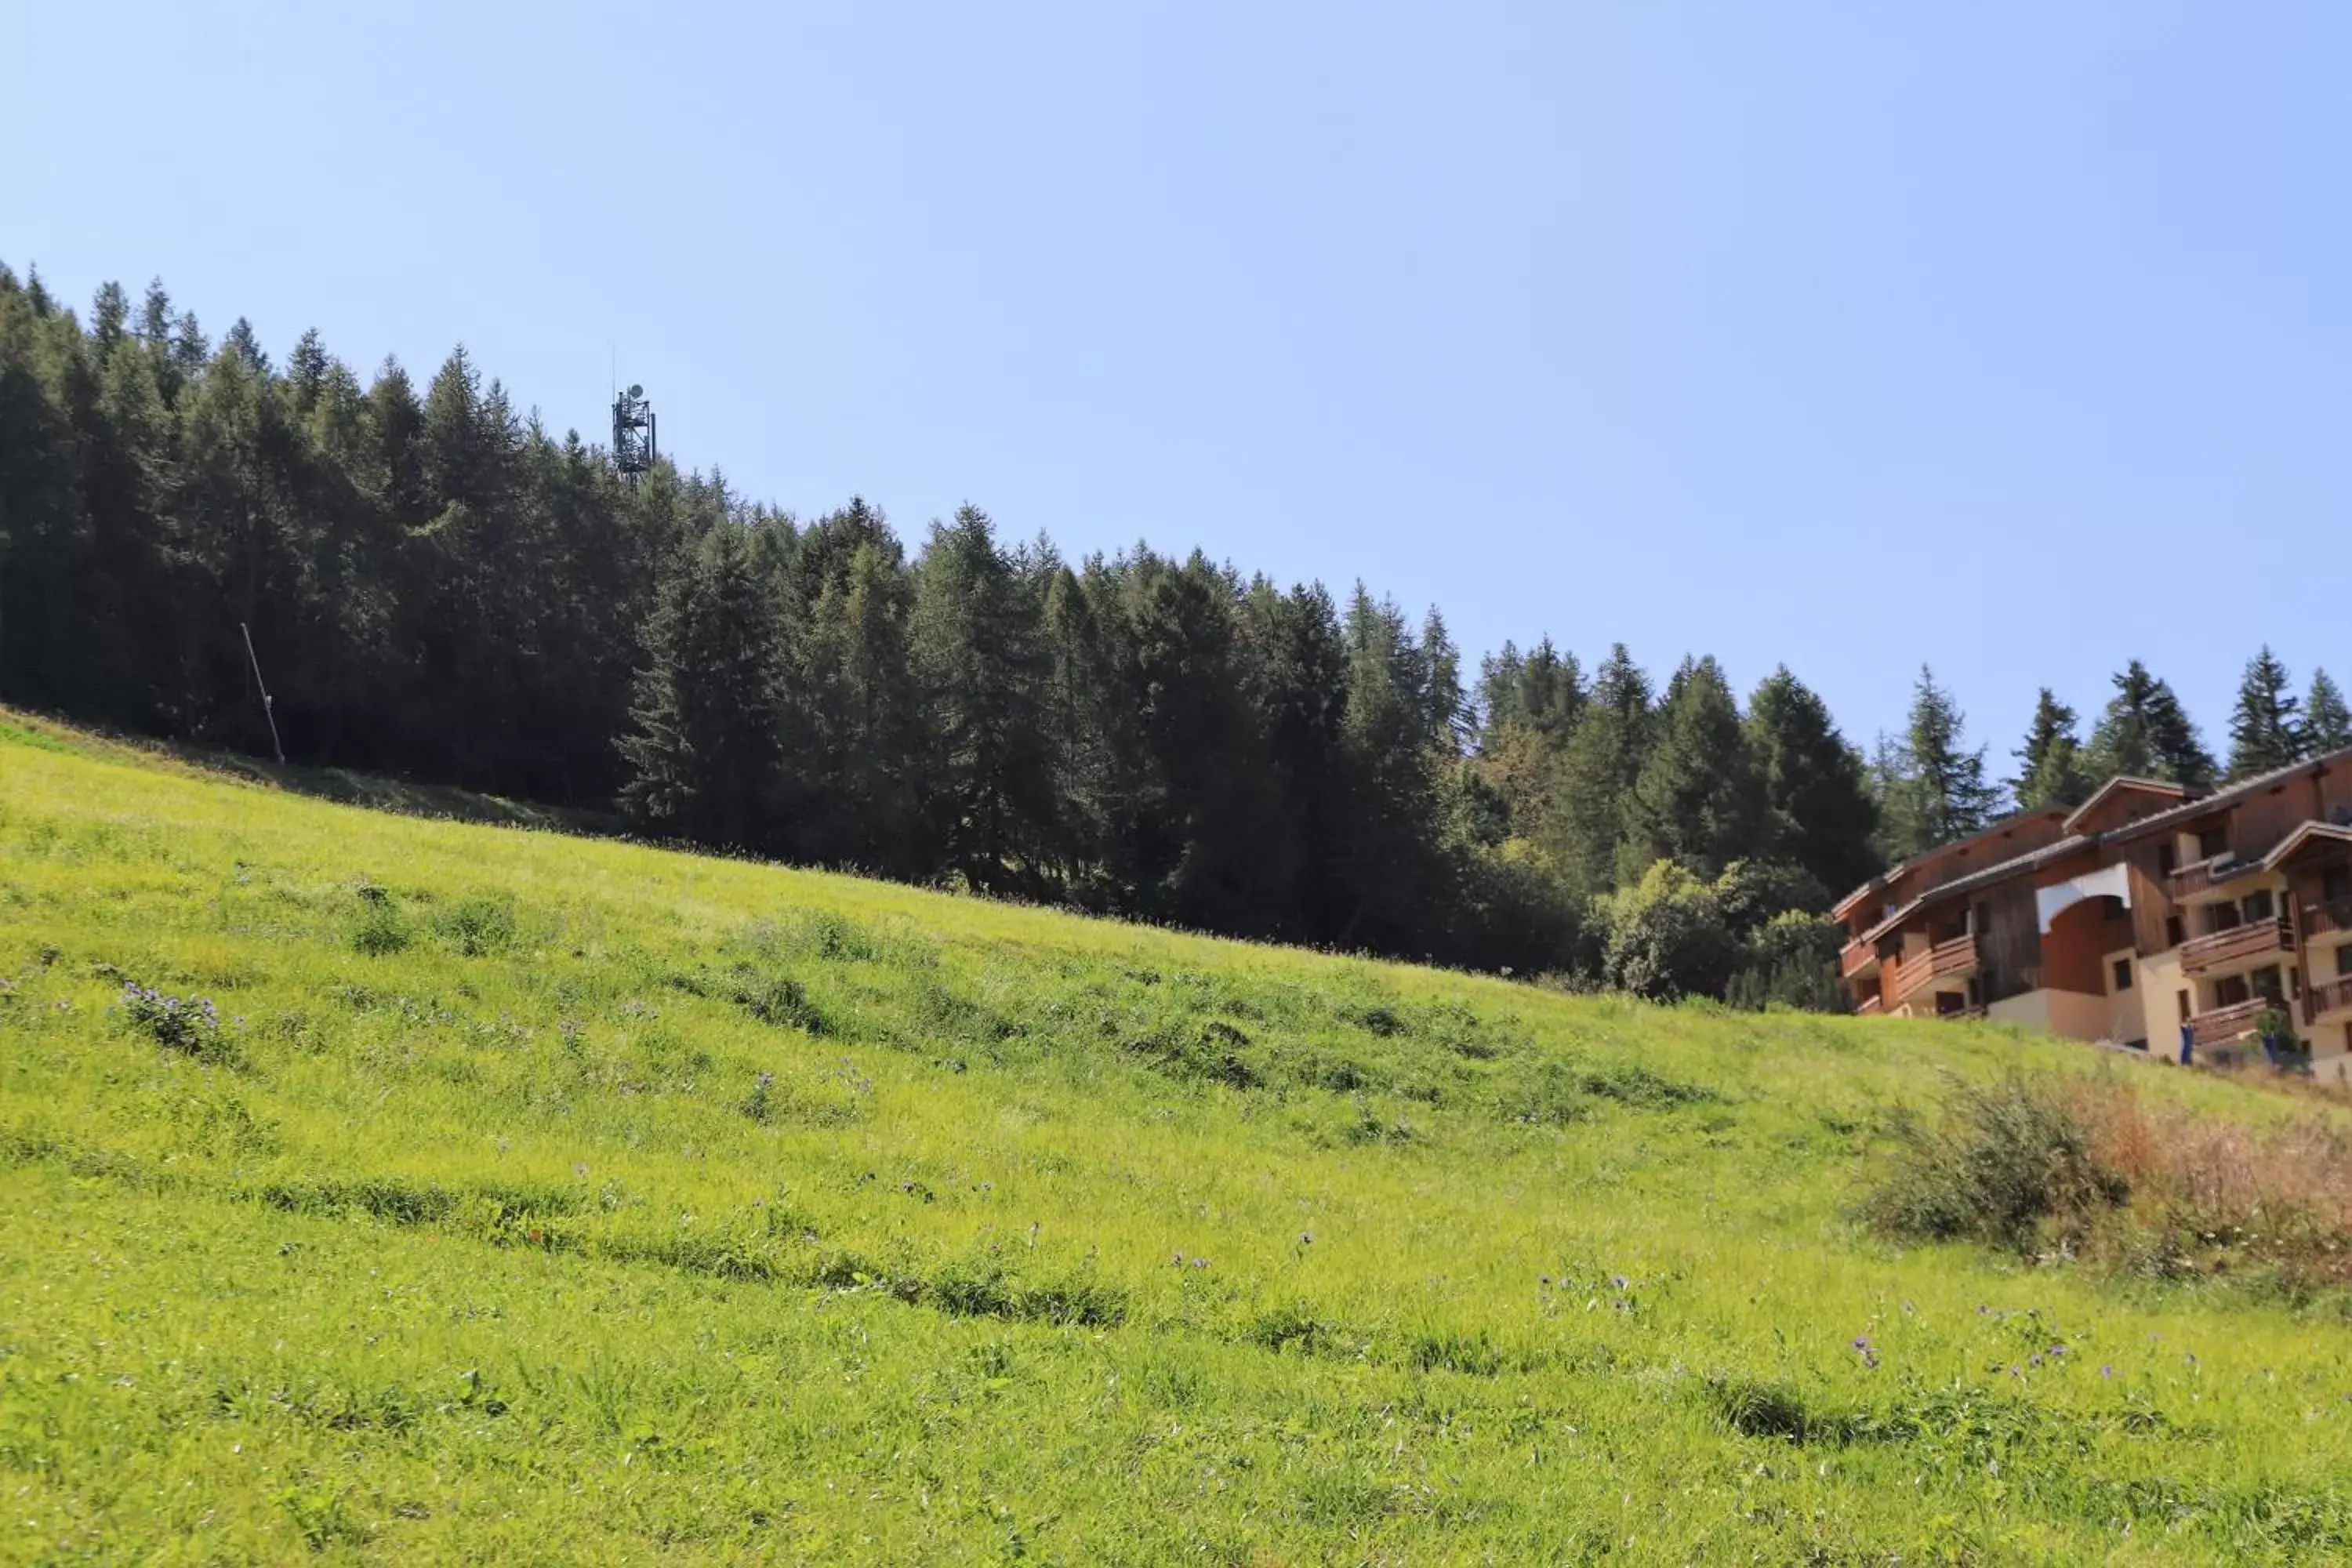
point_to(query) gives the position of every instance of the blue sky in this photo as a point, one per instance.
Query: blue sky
(2010, 338)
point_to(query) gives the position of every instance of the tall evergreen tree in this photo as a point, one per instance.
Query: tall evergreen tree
(1699, 797)
(2264, 733)
(1823, 815)
(2145, 733)
(1603, 756)
(1938, 791)
(2326, 720)
(707, 729)
(973, 639)
(2049, 770)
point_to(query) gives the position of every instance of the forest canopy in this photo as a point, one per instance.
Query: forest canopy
(441, 588)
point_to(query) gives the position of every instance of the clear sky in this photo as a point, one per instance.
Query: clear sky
(2011, 337)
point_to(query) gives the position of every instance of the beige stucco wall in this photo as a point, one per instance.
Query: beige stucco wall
(2071, 1013)
(2127, 1016)
(2160, 984)
(2029, 1010)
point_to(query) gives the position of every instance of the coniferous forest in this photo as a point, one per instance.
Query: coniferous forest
(441, 589)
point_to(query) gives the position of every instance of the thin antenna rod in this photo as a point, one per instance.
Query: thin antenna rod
(267, 710)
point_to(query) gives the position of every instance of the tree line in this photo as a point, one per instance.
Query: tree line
(440, 587)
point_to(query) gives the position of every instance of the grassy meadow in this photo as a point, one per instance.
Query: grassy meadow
(537, 1198)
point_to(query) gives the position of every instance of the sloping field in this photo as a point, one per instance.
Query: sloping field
(536, 1198)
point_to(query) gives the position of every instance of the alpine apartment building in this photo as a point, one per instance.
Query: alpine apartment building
(2145, 916)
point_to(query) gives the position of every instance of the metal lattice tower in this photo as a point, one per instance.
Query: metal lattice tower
(633, 445)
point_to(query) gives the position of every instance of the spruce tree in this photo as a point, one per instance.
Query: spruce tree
(1823, 815)
(1699, 799)
(972, 636)
(2327, 722)
(2264, 733)
(707, 730)
(1938, 791)
(1585, 823)
(2049, 770)
(2145, 733)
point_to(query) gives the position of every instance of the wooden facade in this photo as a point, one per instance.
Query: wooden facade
(2169, 916)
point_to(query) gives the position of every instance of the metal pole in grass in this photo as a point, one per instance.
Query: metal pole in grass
(266, 711)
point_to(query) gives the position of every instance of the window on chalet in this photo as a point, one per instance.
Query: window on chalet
(2344, 961)
(2175, 934)
(2123, 974)
(2267, 982)
(2259, 907)
(2167, 860)
(2221, 918)
(2231, 990)
(2335, 883)
(2211, 842)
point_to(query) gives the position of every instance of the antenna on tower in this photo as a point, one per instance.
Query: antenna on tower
(634, 444)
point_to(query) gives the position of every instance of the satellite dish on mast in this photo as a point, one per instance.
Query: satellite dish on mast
(634, 446)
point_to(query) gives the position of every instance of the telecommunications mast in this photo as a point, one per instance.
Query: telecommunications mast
(633, 448)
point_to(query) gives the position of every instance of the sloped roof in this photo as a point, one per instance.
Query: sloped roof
(2222, 799)
(1984, 877)
(2117, 784)
(2329, 832)
(1887, 878)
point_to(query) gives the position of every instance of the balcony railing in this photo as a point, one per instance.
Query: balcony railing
(2326, 996)
(1855, 957)
(2257, 939)
(2223, 1024)
(2328, 918)
(1904, 978)
(1869, 1007)
(2204, 875)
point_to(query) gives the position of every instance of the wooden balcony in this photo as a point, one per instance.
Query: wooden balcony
(2225, 1025)
(1857, 958)
(2332, 918)
(2326, 997)
(1904, 978)
(2204, 877)
(1869, 1007)
(2257, 940)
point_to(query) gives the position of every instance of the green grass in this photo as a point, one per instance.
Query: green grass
(544, 1199)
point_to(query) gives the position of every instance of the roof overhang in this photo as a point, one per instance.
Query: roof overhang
(2309, 834)
(2123, 783)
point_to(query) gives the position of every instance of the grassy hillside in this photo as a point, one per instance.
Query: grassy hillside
(539, 1198)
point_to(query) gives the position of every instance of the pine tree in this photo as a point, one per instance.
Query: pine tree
(1938, 791)
(2145, 733)
(973, 637)
(2327, 722)
(2050, 764)
(2264, 733)
(1604, 753)
(707, 729)
(1699, 799)
(1823, 815)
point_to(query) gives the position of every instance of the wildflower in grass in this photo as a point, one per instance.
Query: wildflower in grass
(2106, 1373)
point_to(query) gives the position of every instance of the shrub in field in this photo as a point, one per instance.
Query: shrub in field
(2002, 1159)
(477, 927)
(778, 999)
(190, 1025)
